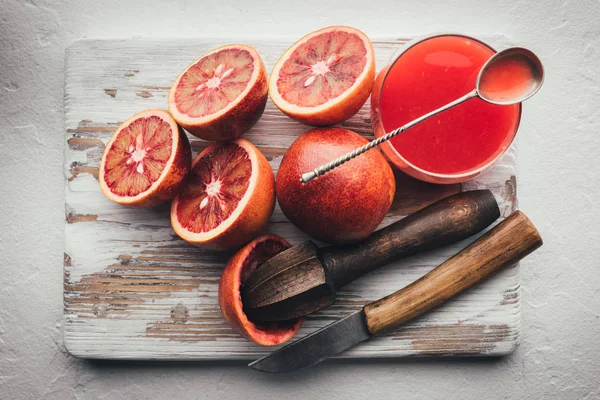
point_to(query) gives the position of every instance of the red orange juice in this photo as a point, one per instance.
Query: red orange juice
(457, 144)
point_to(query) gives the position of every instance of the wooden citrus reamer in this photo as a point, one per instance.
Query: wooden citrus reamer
(305, 278)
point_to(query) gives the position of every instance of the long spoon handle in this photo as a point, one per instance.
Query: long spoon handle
(309, 176)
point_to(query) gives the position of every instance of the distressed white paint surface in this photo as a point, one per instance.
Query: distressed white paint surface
(134, 290)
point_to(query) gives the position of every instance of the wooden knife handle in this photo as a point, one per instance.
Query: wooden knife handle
(503, 245)
(446, 221)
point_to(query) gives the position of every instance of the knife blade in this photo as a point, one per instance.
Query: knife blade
(505, 244)
(331, 340)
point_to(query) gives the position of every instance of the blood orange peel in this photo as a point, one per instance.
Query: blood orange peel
(229, 197)
(345, 205)
(325, 77)
(222, 94)
(146, 160)
(235, 273)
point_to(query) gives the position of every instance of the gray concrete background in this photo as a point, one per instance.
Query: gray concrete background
(559, 187)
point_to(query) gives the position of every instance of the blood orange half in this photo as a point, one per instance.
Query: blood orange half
(222, 94)
(229, 197)
(235, 273)
(325, 77)
(146, 160)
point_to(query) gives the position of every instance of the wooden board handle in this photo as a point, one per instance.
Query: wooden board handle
(503, 245)
(446, 221)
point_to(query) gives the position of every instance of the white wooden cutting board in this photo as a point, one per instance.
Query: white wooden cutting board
(134, 290)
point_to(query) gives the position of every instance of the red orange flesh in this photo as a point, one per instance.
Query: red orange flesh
(222, 94)
(229, 197)
(325, 77)
(146, 160)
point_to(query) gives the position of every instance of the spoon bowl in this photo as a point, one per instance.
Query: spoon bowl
(510, 76)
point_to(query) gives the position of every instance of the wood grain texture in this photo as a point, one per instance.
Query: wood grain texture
(134, 290)
(505, 244)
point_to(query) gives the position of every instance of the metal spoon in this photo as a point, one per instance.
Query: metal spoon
(484, 89)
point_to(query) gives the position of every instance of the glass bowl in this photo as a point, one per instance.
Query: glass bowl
(394, 155)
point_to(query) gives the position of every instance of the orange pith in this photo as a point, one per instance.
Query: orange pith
(138, 156)
(214, 82)
(216, 185)
(322, 68)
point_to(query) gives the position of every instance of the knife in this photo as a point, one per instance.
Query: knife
(505, 244)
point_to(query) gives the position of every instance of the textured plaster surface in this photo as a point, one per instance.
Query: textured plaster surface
(559, 187)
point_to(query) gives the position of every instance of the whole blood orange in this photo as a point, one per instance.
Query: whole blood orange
(222, 94)
(229, 197)
(325, 77)
(346, 204)
(146, 160)
(237, 270)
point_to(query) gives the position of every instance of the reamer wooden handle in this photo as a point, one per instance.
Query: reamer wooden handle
(446, 221)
